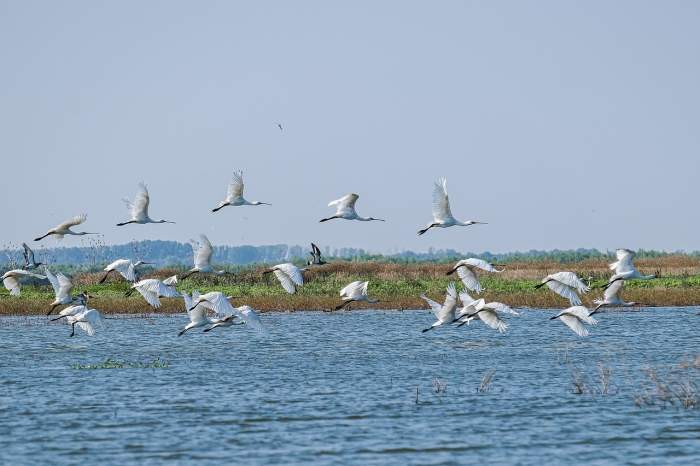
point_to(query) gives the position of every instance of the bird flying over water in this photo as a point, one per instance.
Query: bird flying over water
(289, 275)
(234, 195)
(466, 270)
(11, 280)
(62, 288)
(345, 209)
(575, 317)
(625, 269)
(123, 267)
(444, 313)
(567, 285)
(203, 251)
(64, 229)
(139, 208)
(355, 292)
(153, 289)
(442, 215)
(611, 297)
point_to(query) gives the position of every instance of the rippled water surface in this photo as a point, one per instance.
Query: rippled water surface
(363, 387)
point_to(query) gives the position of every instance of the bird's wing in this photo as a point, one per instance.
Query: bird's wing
(572, 280)
(574, 324)
(220, 304)
(198, 314)
(86, 327)
(502, 308)
(624, 261)
(167, 290)
(612, 293)
(251, 318)
(469, 278)
(12, 285)
(139, 208)
(480, 264)
(151, 297)
(441, 201)
(316, 250)
(202, 258)
(564, 291)
(77, 220)
(188, 301)
(65, 286)
(235, 188)
(294, 273)
(434, 305)
(490, 317)
(349, 290)
(28, 254)
(365, 286)
(345, 204)
(171, 280)
(450, 298)
(583, 313)
(53, 280)
(286, 281)
(465, 298)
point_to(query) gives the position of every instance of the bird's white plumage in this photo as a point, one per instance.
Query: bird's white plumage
(152, 289)
(86, 320)
(575, 317)
(138, 208)
(203, 253)
(250, 317)
(11, 280)
(123, 267)
(62, 287)
(354, 291)
(217, 302)
(290, 276)
(441, 203)
(567, 285)
(444, 313)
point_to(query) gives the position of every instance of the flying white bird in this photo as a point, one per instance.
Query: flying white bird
(65, 229)
(29, 262)
(250, 318)
(62, 288)
(466, 270)
(611, 297)
(123, 267)
(488, 313)
(315, 256)
(565, 284)
(345, 209)
(196, 312)
(203, 251)
(442, 215)
(234, 196)
(11, 280)
(444, 313)
(355, 291)
(575, 317)
(217, 302)
(139, 208)
(78, 305)
(152, 289)
(624, 268)
(289, 275)
(86, 320)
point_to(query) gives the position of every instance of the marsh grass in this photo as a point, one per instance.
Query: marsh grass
(110, 363)
(397, 286)
(675, 387)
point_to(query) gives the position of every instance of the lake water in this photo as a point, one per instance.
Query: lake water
(359, 387)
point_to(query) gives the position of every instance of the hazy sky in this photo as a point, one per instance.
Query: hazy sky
(562, 124)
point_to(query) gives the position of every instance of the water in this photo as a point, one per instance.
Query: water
(341, 389)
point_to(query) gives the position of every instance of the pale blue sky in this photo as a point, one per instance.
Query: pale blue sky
(562, 124)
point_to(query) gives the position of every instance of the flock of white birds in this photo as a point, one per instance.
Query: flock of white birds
(214, 309)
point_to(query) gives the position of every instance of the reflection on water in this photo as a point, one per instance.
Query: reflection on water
(349, 387)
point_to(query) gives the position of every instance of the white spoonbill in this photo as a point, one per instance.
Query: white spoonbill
(29, 262)
(153, 289)
(203, 251)
(62, 288)
(64, 229)
(86, 320)
(216, 301)
(444, 313)
(219, 303)
(139, 208)
(78, 305)
(466, 270)
(488, 313)
(123, 267)
(345, 209)
(442, 215)
(565, 284)
(575, 317)
(234, 196)
(289, 275)
(11, 280)
(196, 312)
(355, 291)
(625, 269)
(611, 297)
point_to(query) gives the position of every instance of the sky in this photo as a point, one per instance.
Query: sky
(563, 124)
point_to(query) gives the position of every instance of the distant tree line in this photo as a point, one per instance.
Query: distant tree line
(93, 254)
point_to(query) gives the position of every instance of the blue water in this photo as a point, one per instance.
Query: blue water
(345, 388)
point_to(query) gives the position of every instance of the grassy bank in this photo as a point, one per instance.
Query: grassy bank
(398, 286)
